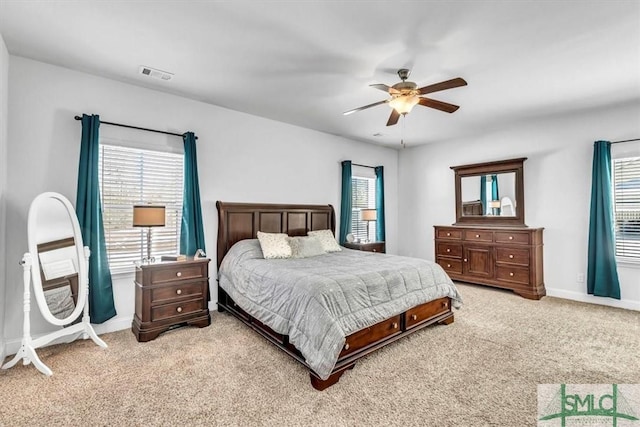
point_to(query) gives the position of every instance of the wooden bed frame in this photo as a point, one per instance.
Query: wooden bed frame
(239, 221)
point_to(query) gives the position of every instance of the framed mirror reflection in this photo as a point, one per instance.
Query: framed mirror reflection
(490, 193)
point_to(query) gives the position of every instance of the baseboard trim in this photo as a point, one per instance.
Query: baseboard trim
(578, 296)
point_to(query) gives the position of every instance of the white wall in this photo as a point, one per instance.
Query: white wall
(4, 85)
(557, 181)
(241, 158)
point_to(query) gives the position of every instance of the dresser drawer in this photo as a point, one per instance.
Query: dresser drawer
(177, 272)
(478, 236)
(370, 335)
(512, 274)
(425, 311)
(177, 291)
(451, 265)
(513, 237)
(448, 233)
(176, 309)
(449, 249)
(512, 255)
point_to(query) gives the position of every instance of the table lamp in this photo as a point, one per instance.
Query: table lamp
(494, 205)
(148, 216)
(368, 215)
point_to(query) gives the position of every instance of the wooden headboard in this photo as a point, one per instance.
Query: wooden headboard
(239, 221)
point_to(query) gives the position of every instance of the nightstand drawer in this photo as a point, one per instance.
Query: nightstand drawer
(367, 247)
(177, 291)
(425, 311)
(176, 309)
(177, 272)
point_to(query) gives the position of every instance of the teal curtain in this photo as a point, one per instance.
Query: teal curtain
(191, 231)
(380, 229)
(483, 194)
(495, 194)
(602, 274)
(346, 203)
(89, 212)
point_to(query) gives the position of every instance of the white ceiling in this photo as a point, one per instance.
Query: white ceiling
(306, 62)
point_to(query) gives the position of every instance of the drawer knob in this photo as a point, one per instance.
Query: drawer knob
(448, 265)
(179, 274)
(444, 304)
(346, 346)
(448, 250)
(465, 260)
(510, 256)
(394, 325)
(477, 235)
(414, 317)
(511, 274)
(448, 234)
(510, 237)
(179, 309)
(179, 292)
(375, 250)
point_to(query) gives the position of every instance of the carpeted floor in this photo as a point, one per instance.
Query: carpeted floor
(482, 370)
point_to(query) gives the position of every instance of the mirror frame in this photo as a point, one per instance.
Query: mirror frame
(489, 168)
(34, 211)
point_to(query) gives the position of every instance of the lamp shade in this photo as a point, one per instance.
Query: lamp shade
(368, 215)
(494, 204)
(148, 216)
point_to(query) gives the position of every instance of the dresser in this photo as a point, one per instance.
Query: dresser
(505, 257)
(368, 246)
(170, 294)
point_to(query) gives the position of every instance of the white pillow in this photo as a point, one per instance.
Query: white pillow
(274, 245)
(305, 247)
(327, 239)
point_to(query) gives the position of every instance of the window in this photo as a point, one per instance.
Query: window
(626, 195)
(130, 176)
(363, 196)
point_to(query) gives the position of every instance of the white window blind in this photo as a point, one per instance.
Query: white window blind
(626, 194)
(363, 196)
(130, 176)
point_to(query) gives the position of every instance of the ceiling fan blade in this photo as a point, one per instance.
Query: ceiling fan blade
(385, 88)
(346, 113)
(438, 105)
(393, 118)
(449, 84)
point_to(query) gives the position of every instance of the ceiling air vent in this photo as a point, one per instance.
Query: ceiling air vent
(155, 73)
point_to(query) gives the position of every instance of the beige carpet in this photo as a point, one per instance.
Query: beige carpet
(482, 370)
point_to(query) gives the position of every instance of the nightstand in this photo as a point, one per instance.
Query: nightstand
(369, 247)
(169, 294)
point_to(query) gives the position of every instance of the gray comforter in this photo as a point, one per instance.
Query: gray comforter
(318, 301)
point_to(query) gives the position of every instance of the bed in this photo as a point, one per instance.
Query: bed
(341, 331)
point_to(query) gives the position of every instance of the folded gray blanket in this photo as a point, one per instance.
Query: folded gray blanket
(318, 301)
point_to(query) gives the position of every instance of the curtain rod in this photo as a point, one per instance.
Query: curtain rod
(136, 127)
(363, 166)
(626, 140)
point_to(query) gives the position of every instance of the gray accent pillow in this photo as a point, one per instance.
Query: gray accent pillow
(305, 247)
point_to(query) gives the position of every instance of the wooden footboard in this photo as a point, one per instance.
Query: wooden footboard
(358, 344)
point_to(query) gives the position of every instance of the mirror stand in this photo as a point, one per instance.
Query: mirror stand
(27, 352)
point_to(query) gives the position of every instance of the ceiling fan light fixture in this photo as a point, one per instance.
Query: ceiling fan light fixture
(404, 103)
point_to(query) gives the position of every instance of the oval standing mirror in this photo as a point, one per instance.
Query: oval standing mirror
(59, 270)
(57, 265)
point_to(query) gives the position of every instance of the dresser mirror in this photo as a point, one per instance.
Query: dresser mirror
(490, 193)
(56, 270)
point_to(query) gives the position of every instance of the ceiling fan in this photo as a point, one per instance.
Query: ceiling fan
(405, 95)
